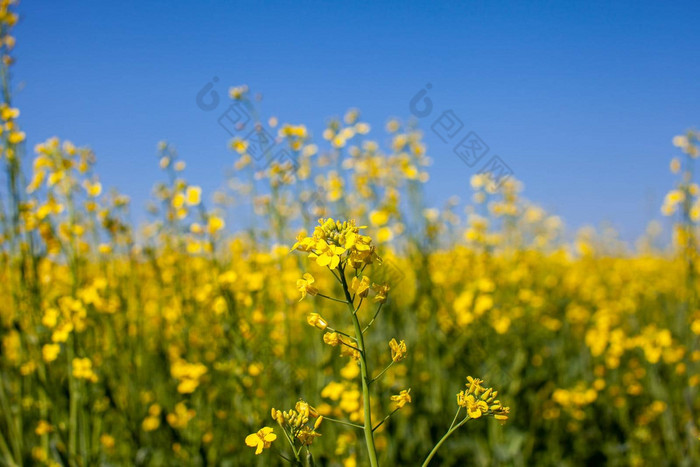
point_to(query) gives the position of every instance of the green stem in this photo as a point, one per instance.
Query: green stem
(386, 418)
(350, 346)
(451, 430)
(358, 305)
(371, 322)
(331, 298)
(74, 398)
(364, 373)
(343, 422)
(383, 371)
(12, 428)
(297, 461)
(340, 332)
(6, 452)
(309, 458)
(336, 277)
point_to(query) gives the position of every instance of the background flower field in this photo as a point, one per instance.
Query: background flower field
(167, 343)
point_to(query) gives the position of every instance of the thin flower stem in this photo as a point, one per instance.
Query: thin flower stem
(343, 422)
(335, 275)
(74, 398)
(341, 333)
(291, 444)
(286, 435)
(331, 298)
(386, 418)
(11, 428)
(309, 458)
(459, 409)
(284, 457)
(371, 322)
(351, 346)
(6, 452)
(451, 430)
(383, 371)
(358, 306)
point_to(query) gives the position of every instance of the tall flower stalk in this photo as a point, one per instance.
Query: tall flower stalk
(342, 249)
(364, 374)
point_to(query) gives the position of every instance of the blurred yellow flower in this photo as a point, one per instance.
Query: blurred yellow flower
(193, 195)
(82, 369)
(305, 286)
(398, 350)
(314, 319)
(403, 398)
(215, 224)
(50, 352)
(43, 427)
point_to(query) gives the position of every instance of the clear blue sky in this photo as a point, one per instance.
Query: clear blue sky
(581, 100)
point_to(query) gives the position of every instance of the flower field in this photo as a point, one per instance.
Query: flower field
(348, 324)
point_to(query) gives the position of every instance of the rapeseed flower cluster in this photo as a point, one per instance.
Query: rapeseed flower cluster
(342, 249)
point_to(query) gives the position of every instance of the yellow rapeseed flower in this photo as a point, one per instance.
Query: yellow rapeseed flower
(403, 398)
(82, 369)
(332, 338)
(261, 440)
(43, 427)
(360, 287)
(398, 350)
(215, 224)
(193, 195)
(305, 286)
(316, 320)
(50, 352)
(475, 408)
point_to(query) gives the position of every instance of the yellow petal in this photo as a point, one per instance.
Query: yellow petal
(252, 440)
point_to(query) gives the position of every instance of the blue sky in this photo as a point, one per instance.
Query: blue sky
(580, 99)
